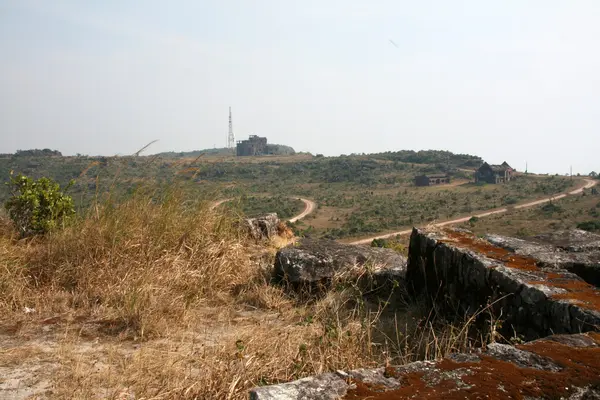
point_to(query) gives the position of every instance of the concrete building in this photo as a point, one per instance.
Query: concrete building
(254, 146)
(494, 173)
(431, 180)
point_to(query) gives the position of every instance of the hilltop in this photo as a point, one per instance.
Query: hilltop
(356, 195)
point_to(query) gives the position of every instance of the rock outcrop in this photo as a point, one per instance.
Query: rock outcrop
(534, 298)
(576, 251)
(314, 261)
(557, 367)
(539, 287)
(264, 227)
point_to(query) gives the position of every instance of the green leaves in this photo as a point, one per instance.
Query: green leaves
(37, 207)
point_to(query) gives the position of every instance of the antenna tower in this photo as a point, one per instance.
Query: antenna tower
(230, 137)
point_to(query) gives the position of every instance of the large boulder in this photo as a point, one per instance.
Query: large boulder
(312, 261)
(528, 284)
(557, 367)
(263, 227)
(575, 250)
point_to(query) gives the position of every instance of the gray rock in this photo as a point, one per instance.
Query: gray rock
(574, 240)
(321, 387)
(264, 227)
(312, 261)
(465, 273)
(576, 251)
(501, 371)
(521, 358)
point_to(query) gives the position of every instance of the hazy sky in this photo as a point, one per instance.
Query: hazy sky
(507, 80)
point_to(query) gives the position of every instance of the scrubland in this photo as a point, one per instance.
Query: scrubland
(160, 297)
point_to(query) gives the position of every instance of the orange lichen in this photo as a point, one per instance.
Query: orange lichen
(494, 252)
(495, 379)
(584, 294)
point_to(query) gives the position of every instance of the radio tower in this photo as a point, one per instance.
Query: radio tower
(231, 137)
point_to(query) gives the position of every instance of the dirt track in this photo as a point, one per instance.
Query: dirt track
(309, 207)
(589, 184)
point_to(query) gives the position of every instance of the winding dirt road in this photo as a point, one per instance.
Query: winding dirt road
(309, 207)
(589, 183)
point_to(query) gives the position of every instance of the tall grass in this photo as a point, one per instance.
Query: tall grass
(182, 282)
(143, 262)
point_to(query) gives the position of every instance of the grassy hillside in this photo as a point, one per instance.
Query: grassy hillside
(154, 293)
(161, 296)
(356, 195)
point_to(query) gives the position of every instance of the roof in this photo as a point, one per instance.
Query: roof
(433, 176)
(498, 168)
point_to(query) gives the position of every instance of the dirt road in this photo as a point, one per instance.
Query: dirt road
(218, 203)
(309, 207)
(589, 183)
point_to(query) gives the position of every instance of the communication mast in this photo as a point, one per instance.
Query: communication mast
(231, 137)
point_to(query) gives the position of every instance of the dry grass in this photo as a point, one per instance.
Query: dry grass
(161, 298)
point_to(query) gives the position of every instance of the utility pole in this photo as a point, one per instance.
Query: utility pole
(230, 137)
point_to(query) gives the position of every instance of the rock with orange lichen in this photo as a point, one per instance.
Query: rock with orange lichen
(525, 282)
(576, 251)
(558, 367)
(532, 285)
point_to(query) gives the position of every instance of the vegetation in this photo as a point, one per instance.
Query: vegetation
(357, 195)
(36, 207)
(591, 226)
(567, 213)
(151, 293)
(254, 206)
(159, 296)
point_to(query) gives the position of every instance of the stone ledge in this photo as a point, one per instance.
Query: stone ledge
(560, 366)
(313, 261)
(459, 270)
(575, 251)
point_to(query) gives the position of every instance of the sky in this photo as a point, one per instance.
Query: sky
(514, 80)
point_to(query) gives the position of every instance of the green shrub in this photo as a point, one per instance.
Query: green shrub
(36, 207)
(378, 243)
(552, 208)
(590, 226)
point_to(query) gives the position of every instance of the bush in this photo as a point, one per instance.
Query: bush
(36, 207)
(552, 208)
(590, 226)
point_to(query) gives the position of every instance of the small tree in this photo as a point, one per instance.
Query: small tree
(37, 207)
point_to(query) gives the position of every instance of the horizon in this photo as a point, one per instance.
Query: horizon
(510, 81)
(151, 153)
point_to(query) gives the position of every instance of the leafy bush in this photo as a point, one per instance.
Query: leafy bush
(552, 208)
(391, 243)
(473, 220)
(590, 226)
(36, 207)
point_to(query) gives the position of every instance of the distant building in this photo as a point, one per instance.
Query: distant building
(254, 146)
(431, 180)
(494, 173)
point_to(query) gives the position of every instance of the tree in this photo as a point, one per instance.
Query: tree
(36, 207)
(593, 174)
